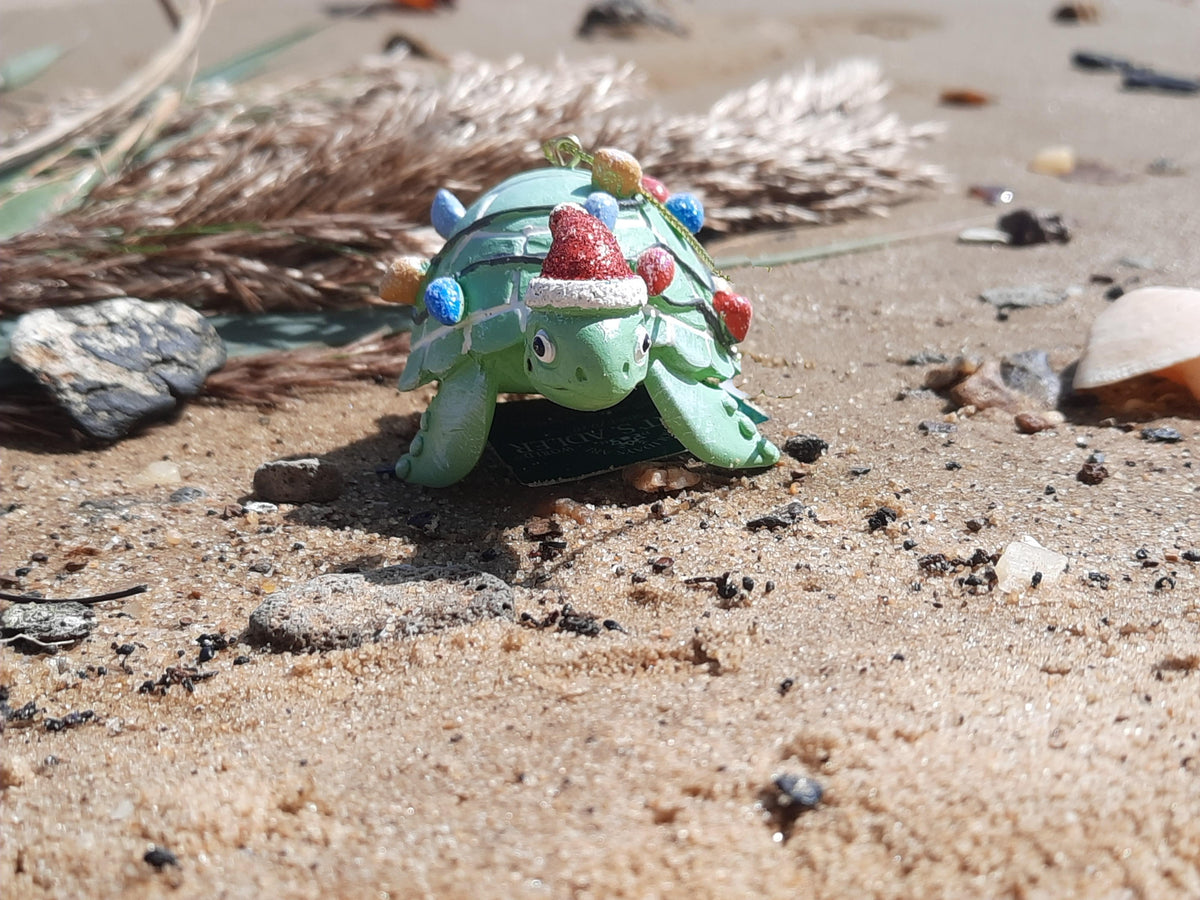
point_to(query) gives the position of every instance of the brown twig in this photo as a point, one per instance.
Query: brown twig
(97, 598)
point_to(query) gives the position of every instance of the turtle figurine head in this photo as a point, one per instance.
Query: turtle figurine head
(578, 286)
(586, 345)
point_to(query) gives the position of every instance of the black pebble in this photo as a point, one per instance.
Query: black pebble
(881, 517)
(578, 623)
(1025, 227)
(1085, 59)
(426, 521)
(805, 448)
(727, 587)
(70, 720)
(779, 518)
(160, 857)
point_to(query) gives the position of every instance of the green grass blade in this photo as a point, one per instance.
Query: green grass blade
(25, 67)
(246, 65)
(27, 209)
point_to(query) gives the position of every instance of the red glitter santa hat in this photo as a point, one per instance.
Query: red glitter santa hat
(585, 268)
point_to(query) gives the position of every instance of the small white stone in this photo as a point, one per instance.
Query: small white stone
(160, 471)
(1022, 559)
(984, 235)
(1057, 161)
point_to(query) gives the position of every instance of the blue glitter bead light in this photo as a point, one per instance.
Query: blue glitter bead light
(688, 209)
(444, 300)
(603, 206)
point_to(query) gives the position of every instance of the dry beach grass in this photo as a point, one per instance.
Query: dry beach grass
(291, 198)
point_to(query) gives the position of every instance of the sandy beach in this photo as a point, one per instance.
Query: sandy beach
(1039, 743)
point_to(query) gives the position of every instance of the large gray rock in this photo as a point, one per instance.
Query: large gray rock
(336, 611)
(117, 363)
(48, 623)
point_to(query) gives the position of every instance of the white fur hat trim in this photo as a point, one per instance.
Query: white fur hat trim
(609, 293)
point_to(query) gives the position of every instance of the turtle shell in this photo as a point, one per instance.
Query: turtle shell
(497, 248)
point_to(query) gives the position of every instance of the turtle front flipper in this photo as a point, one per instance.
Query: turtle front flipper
(453, 429)
(706, 419)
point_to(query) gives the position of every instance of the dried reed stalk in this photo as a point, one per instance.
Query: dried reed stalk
(296, 199)
(272, 378)
(122, 102)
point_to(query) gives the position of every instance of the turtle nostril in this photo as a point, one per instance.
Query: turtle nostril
(580, 375)
(625, 369)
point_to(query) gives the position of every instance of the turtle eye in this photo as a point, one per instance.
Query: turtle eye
(543, 347)
(642, 347)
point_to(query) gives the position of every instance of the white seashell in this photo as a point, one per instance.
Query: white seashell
(1152, 329)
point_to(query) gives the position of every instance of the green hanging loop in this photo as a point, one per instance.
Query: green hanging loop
(566, 152)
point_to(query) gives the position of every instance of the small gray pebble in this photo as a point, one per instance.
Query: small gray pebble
(799, 790)
(1024, 296)
(1031, 374)
(1164, 435)
(933, 426)
(187, 495)
(782, 517)
(48, 622)
(347, 610)
(259, 507)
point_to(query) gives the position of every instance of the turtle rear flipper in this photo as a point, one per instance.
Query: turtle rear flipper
(708, 420)
(454, 428)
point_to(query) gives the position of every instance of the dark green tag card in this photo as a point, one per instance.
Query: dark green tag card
(544, 443)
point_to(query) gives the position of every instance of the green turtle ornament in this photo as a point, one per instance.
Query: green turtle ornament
(579, 286)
